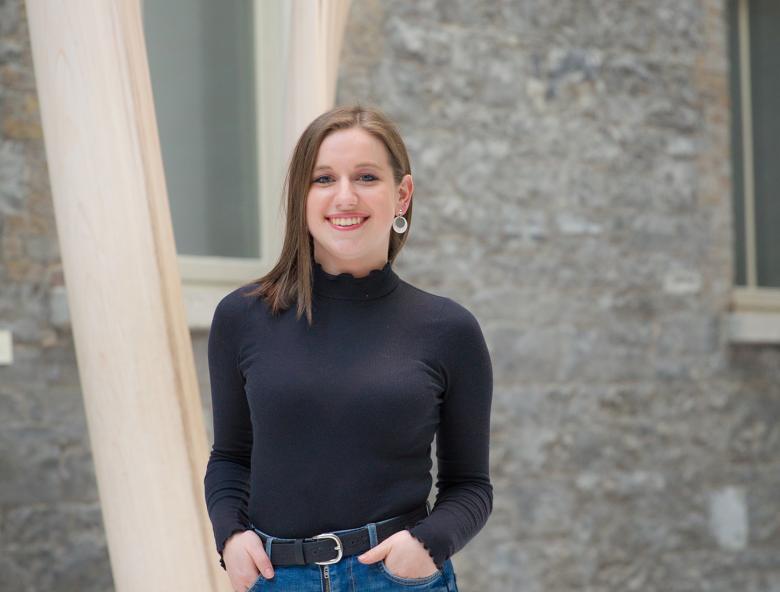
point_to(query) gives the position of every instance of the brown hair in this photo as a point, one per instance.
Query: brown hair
(291, 278)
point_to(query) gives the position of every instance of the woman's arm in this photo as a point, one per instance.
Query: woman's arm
(227, 474)
(464, 498)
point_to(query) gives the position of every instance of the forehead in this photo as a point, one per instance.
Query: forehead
(351, 147)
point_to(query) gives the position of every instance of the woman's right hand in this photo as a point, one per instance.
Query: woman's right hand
(244, 555)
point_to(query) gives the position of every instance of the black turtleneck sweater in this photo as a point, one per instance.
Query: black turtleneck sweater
(330, 427)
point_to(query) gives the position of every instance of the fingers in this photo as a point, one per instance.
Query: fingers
(376, 553)
(247, 556)
(258, 554)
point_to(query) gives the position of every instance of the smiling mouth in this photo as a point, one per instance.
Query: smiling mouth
(347, 223)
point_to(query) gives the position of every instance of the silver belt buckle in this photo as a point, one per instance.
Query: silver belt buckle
(339, 548)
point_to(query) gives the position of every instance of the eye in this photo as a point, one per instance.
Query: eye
(373, 178)
(322, 177)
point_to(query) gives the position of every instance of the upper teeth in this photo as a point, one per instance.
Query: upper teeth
(345, 221)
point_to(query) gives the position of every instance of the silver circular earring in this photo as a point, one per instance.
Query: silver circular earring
(400, 224)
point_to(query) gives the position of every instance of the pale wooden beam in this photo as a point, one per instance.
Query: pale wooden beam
(132, 343)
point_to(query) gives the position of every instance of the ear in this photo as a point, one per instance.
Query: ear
(405, 191)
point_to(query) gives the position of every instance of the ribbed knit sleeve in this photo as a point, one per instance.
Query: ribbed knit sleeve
(464, 497)
(228, 470)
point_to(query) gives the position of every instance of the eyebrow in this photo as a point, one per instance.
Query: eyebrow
(360, 164)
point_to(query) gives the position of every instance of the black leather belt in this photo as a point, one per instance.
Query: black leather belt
(327, 548)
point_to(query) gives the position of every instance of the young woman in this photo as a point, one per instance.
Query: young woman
(319, 474)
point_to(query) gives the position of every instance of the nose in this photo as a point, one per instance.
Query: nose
(345, 197)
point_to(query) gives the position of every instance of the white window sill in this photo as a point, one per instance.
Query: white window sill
(754, 327)
(199, 303)
(205, 280)
(754, 316)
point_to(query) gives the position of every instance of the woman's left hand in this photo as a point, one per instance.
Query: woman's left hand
(404, 556)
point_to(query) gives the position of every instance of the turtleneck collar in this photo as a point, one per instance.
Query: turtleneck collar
(345, 286)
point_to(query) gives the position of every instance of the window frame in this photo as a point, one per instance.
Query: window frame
(755, 310)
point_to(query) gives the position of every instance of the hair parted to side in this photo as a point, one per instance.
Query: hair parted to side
(290, 280)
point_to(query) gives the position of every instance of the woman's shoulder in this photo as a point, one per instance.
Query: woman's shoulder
(440, 308)
(236, 303)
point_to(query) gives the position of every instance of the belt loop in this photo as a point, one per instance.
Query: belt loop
(268, 542)
(298, 552)
(372, 539)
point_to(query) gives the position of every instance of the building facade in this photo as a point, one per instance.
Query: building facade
(582, 184)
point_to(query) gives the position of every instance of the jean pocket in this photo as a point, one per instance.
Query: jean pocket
(256, 584)
(409, 581)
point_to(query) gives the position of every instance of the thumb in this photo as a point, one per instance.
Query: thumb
(374, 554)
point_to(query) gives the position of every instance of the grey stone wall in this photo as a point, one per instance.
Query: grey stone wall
(572, 174)
(573, 190)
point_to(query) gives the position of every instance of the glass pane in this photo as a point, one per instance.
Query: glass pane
(765, 72)
(202, 65)
(737, 178)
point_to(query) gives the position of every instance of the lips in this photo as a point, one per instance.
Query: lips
(347, 228)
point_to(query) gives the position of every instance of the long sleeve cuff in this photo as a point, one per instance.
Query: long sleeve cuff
(436, 548)
(223, 541)
(455, 519)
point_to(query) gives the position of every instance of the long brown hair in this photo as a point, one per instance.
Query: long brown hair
(291, 277)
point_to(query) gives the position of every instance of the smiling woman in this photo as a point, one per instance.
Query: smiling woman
(318, 481)
(348, 162)
(350, 208)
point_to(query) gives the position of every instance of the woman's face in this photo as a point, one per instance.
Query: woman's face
(352, 201)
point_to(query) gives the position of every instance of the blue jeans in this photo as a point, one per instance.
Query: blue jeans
(348, 574)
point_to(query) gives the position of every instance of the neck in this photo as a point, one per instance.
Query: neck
(357, 269)
(372, 283)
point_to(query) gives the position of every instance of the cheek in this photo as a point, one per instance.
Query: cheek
(382, 204)
(387, 213)
(313, 208)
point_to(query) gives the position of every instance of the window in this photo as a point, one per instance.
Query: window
(754, 58)
(754, 47)
(217, 80)
(201, 61)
